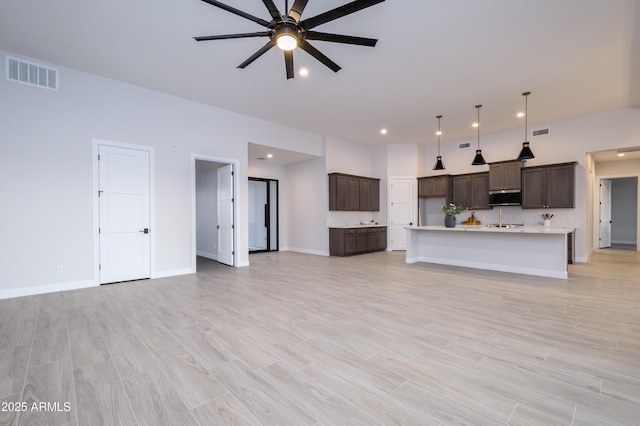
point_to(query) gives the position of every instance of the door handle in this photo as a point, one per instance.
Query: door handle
(145, 231)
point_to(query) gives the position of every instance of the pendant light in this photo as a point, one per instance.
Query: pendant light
(478, 160)
(439, 165)
(526, 152)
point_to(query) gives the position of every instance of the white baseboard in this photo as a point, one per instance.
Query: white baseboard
(623, 241)
(212, 256)
(49, 288)
(305, 251)
(173, 272)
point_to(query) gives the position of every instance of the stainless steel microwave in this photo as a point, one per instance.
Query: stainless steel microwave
(507, 197)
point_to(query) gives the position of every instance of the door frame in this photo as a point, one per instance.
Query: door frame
(214, 159)
(595, 229)
(95, 144)
(270, 237)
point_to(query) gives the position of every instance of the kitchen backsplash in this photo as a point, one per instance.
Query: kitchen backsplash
(431, 214)
(342, 218)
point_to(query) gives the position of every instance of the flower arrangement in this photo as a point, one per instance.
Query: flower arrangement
(452, 210)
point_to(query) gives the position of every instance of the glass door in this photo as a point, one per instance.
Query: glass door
(263, 215)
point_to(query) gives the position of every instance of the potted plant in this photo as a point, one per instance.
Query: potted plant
(450, 211)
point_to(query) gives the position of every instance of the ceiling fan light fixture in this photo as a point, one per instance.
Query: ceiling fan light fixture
(286, 37)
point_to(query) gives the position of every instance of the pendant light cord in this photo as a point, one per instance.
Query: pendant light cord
(478, 108)
(526, 114)
(439, 133)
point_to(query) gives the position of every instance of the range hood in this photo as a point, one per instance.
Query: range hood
(505, 197)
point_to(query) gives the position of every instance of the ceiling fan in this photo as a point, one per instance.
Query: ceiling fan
(289, 31)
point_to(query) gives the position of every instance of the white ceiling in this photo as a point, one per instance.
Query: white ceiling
(433, 57)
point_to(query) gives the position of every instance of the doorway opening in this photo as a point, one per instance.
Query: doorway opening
(619, 213)
(215, 213)
(263, 215)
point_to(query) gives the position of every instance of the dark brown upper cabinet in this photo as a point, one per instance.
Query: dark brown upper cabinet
(435, 187)
(353, 193)
(548, 187)
(505, 175)
(471, 190)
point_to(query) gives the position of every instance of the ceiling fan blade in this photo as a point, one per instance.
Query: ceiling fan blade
(338, 12)
(273, 10)
(297, 9)
(256, 55)
(238, 12)
(288, 63)
(228, 36)
(304, 45)
(339, 38)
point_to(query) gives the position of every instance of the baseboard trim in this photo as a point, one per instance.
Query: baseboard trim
(48, 288)
(306, 251)
(212, 256)
(173, 272)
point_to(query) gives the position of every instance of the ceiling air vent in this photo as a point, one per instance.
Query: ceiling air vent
(464, 145)
(32, 74)
(541, 132)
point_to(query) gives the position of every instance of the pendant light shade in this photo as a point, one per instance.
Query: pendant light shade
(478, 160)
(439, 165)
(525, 153)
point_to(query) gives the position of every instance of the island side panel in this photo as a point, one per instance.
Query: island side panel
(542, 254)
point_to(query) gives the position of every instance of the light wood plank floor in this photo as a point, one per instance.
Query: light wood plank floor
(297, 339)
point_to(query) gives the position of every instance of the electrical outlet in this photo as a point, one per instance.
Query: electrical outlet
(60, 269)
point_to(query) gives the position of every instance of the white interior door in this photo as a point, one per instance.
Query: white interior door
(605, 213)
(226, 250)
(124, 214)
(402, 210)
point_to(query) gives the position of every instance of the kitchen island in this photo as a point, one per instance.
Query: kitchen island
(532, 250)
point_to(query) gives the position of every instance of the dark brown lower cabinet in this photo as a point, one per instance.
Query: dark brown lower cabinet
(350, 241)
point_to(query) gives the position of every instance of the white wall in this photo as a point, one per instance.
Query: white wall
(568, 140)
(309, 202)
(46, 170)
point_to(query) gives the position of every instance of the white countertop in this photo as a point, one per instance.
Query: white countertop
(485, 228)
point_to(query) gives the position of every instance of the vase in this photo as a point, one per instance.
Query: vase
(449, 221)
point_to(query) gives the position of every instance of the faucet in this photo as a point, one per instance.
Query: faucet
(500, 221)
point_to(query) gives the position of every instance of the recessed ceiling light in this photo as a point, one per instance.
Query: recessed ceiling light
(520, 115)
(383, 131)
(304, 72)
(475, 125)
(621, 154)
(439, 132)
(269, 155)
